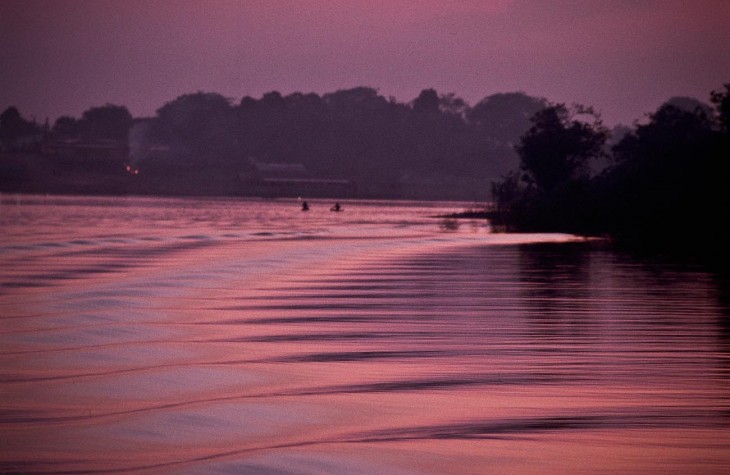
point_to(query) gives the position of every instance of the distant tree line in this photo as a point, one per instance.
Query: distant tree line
(666, 187)
(353, 133)
(16, 131)
(105, 123)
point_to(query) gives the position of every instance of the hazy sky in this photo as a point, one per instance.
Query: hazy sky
(624, 57)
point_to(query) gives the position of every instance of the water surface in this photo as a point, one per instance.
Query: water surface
(244, 336)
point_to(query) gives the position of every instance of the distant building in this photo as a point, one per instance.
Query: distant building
(293, 179)
(267, 170)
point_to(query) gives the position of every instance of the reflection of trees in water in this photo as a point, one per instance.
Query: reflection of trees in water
(555, 285)
(678, 285)
(590, 293)
(722, 288)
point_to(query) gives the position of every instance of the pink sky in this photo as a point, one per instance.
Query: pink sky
(624, 57)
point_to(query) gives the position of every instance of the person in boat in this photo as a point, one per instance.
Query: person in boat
(336, 207)
(305, 206)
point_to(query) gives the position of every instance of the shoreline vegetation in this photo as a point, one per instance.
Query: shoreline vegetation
(659, 186)
(665, 190)
(348, 143)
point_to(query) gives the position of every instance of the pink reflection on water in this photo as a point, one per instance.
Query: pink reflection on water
(372, 346)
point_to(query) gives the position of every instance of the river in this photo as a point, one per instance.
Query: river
(163, 335)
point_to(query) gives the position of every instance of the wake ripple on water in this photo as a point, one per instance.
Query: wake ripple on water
(317, 351)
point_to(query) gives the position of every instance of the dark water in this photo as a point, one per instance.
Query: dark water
(185, 336)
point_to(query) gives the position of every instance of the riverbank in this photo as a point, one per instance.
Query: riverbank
(36, 173)
(708, 249)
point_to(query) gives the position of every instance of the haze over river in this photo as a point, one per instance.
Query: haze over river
(243, 336)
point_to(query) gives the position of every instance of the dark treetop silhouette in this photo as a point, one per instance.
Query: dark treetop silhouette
(666, 188)
(202, 143)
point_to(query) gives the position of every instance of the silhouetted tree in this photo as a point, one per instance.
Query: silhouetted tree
(357, 133)
(666, 171)
(505, 117)
(364, 133)
(273, 99)
(553, 191)
(689, 104)
(427, 102)
(453, 105)
(199, 128)
(13, 127)
(11, 123)
(67, 127)
(108, 122)
(556, 149)
(507, 192)
(721, 99)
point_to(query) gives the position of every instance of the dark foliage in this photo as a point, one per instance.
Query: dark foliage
(435, 146)
(721, 100)
(14, 129)
(67, 127)
(506, 116)
(198, 128)
(108, 122)
(668, 187)
(556, 149)
(667, 190)
(353, 133)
